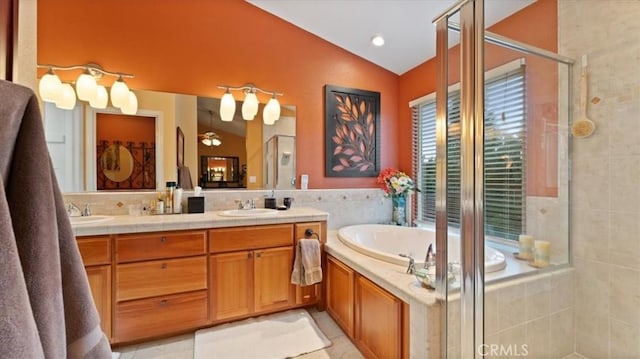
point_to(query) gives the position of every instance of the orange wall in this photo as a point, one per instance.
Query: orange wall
(535, 25)
(124, 128)
(191, 46)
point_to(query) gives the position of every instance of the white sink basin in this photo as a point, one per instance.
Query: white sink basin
(89, 219)
(248, 212)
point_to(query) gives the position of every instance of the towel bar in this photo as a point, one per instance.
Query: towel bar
(309, 232)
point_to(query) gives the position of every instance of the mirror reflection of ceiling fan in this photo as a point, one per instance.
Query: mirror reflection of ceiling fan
(210, 138)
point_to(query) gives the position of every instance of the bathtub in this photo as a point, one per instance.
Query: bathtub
(386, 242)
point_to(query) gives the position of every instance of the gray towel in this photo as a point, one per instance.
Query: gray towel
(46, 308)
(307, 268)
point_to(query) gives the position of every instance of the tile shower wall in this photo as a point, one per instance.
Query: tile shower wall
(605, 218)
(345, 206)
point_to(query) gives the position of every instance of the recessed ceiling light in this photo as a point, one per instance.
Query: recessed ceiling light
(377, 40)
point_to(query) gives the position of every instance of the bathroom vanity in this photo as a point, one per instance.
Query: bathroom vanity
(154, 276)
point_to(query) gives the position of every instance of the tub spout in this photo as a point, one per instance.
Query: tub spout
(430, 259)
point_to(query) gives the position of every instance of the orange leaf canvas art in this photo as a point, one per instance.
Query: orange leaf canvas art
(352, 119)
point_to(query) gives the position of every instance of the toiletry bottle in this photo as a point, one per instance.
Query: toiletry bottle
(177, 200)
(168, 198)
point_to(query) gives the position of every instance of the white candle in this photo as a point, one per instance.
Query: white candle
(526, 246)
(542, 253)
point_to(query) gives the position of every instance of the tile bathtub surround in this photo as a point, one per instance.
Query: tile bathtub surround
(605, 218)
(535, 311)
(346, 206)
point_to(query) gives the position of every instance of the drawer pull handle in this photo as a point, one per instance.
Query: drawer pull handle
(163, 239)
(259, 254)
(249, 255)
(163, 266)
(163, 303)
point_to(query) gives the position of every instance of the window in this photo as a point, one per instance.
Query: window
(505, 139)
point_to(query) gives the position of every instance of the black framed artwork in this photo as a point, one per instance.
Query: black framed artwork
(352, 136)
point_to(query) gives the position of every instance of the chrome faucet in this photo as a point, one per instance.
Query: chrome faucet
(430, 259)
(411, 269)
(74, 211)
(247, 204)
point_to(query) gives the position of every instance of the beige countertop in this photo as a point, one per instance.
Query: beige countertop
(170, 222)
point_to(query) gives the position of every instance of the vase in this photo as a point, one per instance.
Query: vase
(398, 214)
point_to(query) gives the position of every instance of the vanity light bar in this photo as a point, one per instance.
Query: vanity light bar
(271, 112)
(93, 69)
(249, 88)
(51, 89)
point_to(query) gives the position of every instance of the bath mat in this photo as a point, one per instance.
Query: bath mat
(281, 335)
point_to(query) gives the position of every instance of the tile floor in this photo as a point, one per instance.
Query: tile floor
(181, 347)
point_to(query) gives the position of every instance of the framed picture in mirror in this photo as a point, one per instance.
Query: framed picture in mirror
(352, 119)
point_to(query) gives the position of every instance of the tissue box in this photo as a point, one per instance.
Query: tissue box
(195, 205)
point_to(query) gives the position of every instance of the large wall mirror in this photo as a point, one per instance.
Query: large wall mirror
(139, 152)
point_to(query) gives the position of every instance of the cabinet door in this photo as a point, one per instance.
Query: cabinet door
(340, 297)
(100, 283)
(231, 284)
(378, 322)
(272, 276)
(310, 293)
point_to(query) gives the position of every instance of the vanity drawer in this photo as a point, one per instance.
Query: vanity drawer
(150, 317)
(160, 277)
(138, 247)
(246, 238)
(95, 250)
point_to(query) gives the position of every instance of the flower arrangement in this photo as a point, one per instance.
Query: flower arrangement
(396, 183)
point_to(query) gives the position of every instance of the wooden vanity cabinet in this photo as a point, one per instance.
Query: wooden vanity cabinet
(161, 283)
(375, 320)
(250, 270)
(96, 256)
(311, 294)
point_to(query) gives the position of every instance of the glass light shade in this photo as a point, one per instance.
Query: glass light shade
(67, 98)
(86, 87)
(119, 93)
(206, 141)
(216, 142)
(250, 106)
(101, 99)
(50, 87)
(271, 112)
(227, 107)
(131, 107)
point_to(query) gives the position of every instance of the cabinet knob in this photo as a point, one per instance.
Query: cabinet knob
(258, 254)
(163, 266)
(163, 239)
(249, 255)
(163, 302)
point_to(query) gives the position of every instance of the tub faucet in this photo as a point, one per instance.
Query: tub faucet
(411, 269)
(430, 259)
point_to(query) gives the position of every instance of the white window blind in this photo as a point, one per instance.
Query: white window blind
(505, 139)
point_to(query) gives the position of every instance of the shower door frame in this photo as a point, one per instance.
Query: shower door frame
(471, 174)
(472, 40)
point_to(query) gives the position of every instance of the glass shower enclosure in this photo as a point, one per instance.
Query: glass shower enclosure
(502, 183)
